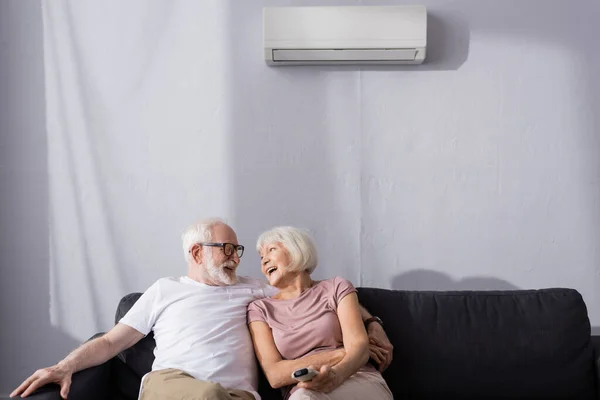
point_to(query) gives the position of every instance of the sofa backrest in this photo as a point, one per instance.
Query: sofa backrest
(486, 344)
(464, 345)
(140, 356)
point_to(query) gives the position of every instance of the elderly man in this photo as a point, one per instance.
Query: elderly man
(203, 347)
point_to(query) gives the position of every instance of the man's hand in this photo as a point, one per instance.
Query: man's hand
(60, 374)
(326, 381)
(380, 348)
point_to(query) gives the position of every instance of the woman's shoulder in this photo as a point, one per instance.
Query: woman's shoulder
(336, 287)
(264, 302)
(257, 304)
(336, 281)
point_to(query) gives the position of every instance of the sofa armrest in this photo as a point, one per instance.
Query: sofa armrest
(596, 347)
(91, 383)
(48, 392)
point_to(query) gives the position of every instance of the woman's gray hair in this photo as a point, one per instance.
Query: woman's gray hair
(297, 242)
(201, 231)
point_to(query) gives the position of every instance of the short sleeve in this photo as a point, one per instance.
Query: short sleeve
(341, 288)
(256, 312)
(142, 315)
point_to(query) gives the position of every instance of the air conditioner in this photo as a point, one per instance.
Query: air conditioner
(345, 35)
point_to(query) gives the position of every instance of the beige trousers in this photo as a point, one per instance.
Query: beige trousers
(360, 386)
(173, 384)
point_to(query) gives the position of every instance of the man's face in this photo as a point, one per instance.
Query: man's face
(221, 269)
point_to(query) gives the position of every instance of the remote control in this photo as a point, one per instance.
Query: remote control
(304, 374)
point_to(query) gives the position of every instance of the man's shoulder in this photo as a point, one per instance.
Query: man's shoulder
(175, 279)
(265, 289)
(164, 285)
(251, 282)
(168, 280)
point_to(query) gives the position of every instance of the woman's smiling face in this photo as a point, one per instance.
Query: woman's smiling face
(274, 260)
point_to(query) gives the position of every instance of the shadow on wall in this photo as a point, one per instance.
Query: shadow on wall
(448, 40)
(27, 337)
(422, 279)
(596, 330)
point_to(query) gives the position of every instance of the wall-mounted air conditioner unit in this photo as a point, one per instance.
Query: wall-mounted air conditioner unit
(345, 35)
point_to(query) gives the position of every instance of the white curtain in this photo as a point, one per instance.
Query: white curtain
(136, 122)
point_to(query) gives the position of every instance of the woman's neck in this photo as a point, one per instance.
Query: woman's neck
(294, 286)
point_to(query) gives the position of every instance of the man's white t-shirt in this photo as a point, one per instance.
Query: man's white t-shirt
(201, 329)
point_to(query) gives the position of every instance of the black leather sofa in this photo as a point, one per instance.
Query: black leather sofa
(526, 344)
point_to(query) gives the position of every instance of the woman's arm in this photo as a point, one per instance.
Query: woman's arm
(277, 370)
(356, 342)
(356, 345)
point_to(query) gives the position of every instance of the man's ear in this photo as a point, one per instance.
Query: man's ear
(196, 252)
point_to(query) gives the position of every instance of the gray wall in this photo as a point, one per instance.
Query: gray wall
(477, 170)
(27, 338)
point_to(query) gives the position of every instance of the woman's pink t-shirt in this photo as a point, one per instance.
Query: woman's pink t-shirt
(308, 323)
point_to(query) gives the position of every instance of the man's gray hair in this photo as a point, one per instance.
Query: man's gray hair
(201, 231)
(297, 242)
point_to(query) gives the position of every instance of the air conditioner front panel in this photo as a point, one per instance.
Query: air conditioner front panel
(311, 55)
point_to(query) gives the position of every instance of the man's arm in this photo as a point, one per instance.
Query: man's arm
(364, 313)
(380, 347)
(90, 354)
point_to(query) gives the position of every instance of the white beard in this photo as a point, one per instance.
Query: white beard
(218, 274)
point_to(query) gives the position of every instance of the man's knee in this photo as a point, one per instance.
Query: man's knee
(213, 391)
(172, 383)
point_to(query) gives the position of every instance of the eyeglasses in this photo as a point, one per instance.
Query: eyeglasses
(228, 248)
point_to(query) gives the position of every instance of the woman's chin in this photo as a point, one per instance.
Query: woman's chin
(273, 280)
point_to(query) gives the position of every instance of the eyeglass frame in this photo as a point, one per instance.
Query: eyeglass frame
(236, 247)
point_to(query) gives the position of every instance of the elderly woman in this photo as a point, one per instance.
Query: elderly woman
(310, 324)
